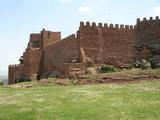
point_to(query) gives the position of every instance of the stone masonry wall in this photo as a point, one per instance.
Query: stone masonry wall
(107, 44)
(15, 72)
(71, 70)
(117, 47)
(63, 51)
(32, 61)
(90, 41)
(35, 37)
(33, 56)
(147, 42)
(49, 37)
(35, 40)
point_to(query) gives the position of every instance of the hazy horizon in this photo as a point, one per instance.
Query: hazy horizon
(19, 18)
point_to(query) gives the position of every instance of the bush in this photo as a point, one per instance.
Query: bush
(107, 69)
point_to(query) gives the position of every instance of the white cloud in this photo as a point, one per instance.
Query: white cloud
(156, 11)
(84, 9)
(65, 1)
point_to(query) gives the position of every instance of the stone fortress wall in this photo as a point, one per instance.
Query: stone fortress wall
(107, 44)
(116, 45)
(147, 42)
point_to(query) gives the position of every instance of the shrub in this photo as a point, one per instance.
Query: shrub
(107, 69)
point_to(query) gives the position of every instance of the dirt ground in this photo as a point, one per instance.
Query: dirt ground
(120, 77)
(123, 76)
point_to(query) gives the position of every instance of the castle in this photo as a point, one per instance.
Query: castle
(116, 45)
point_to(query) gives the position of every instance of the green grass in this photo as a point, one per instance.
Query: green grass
(139, 101)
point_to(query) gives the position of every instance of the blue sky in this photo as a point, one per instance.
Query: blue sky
(19, 18)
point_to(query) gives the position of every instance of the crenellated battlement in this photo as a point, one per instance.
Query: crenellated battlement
(148, 36)
(150, 20)
(105, 25)
(15, 66)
